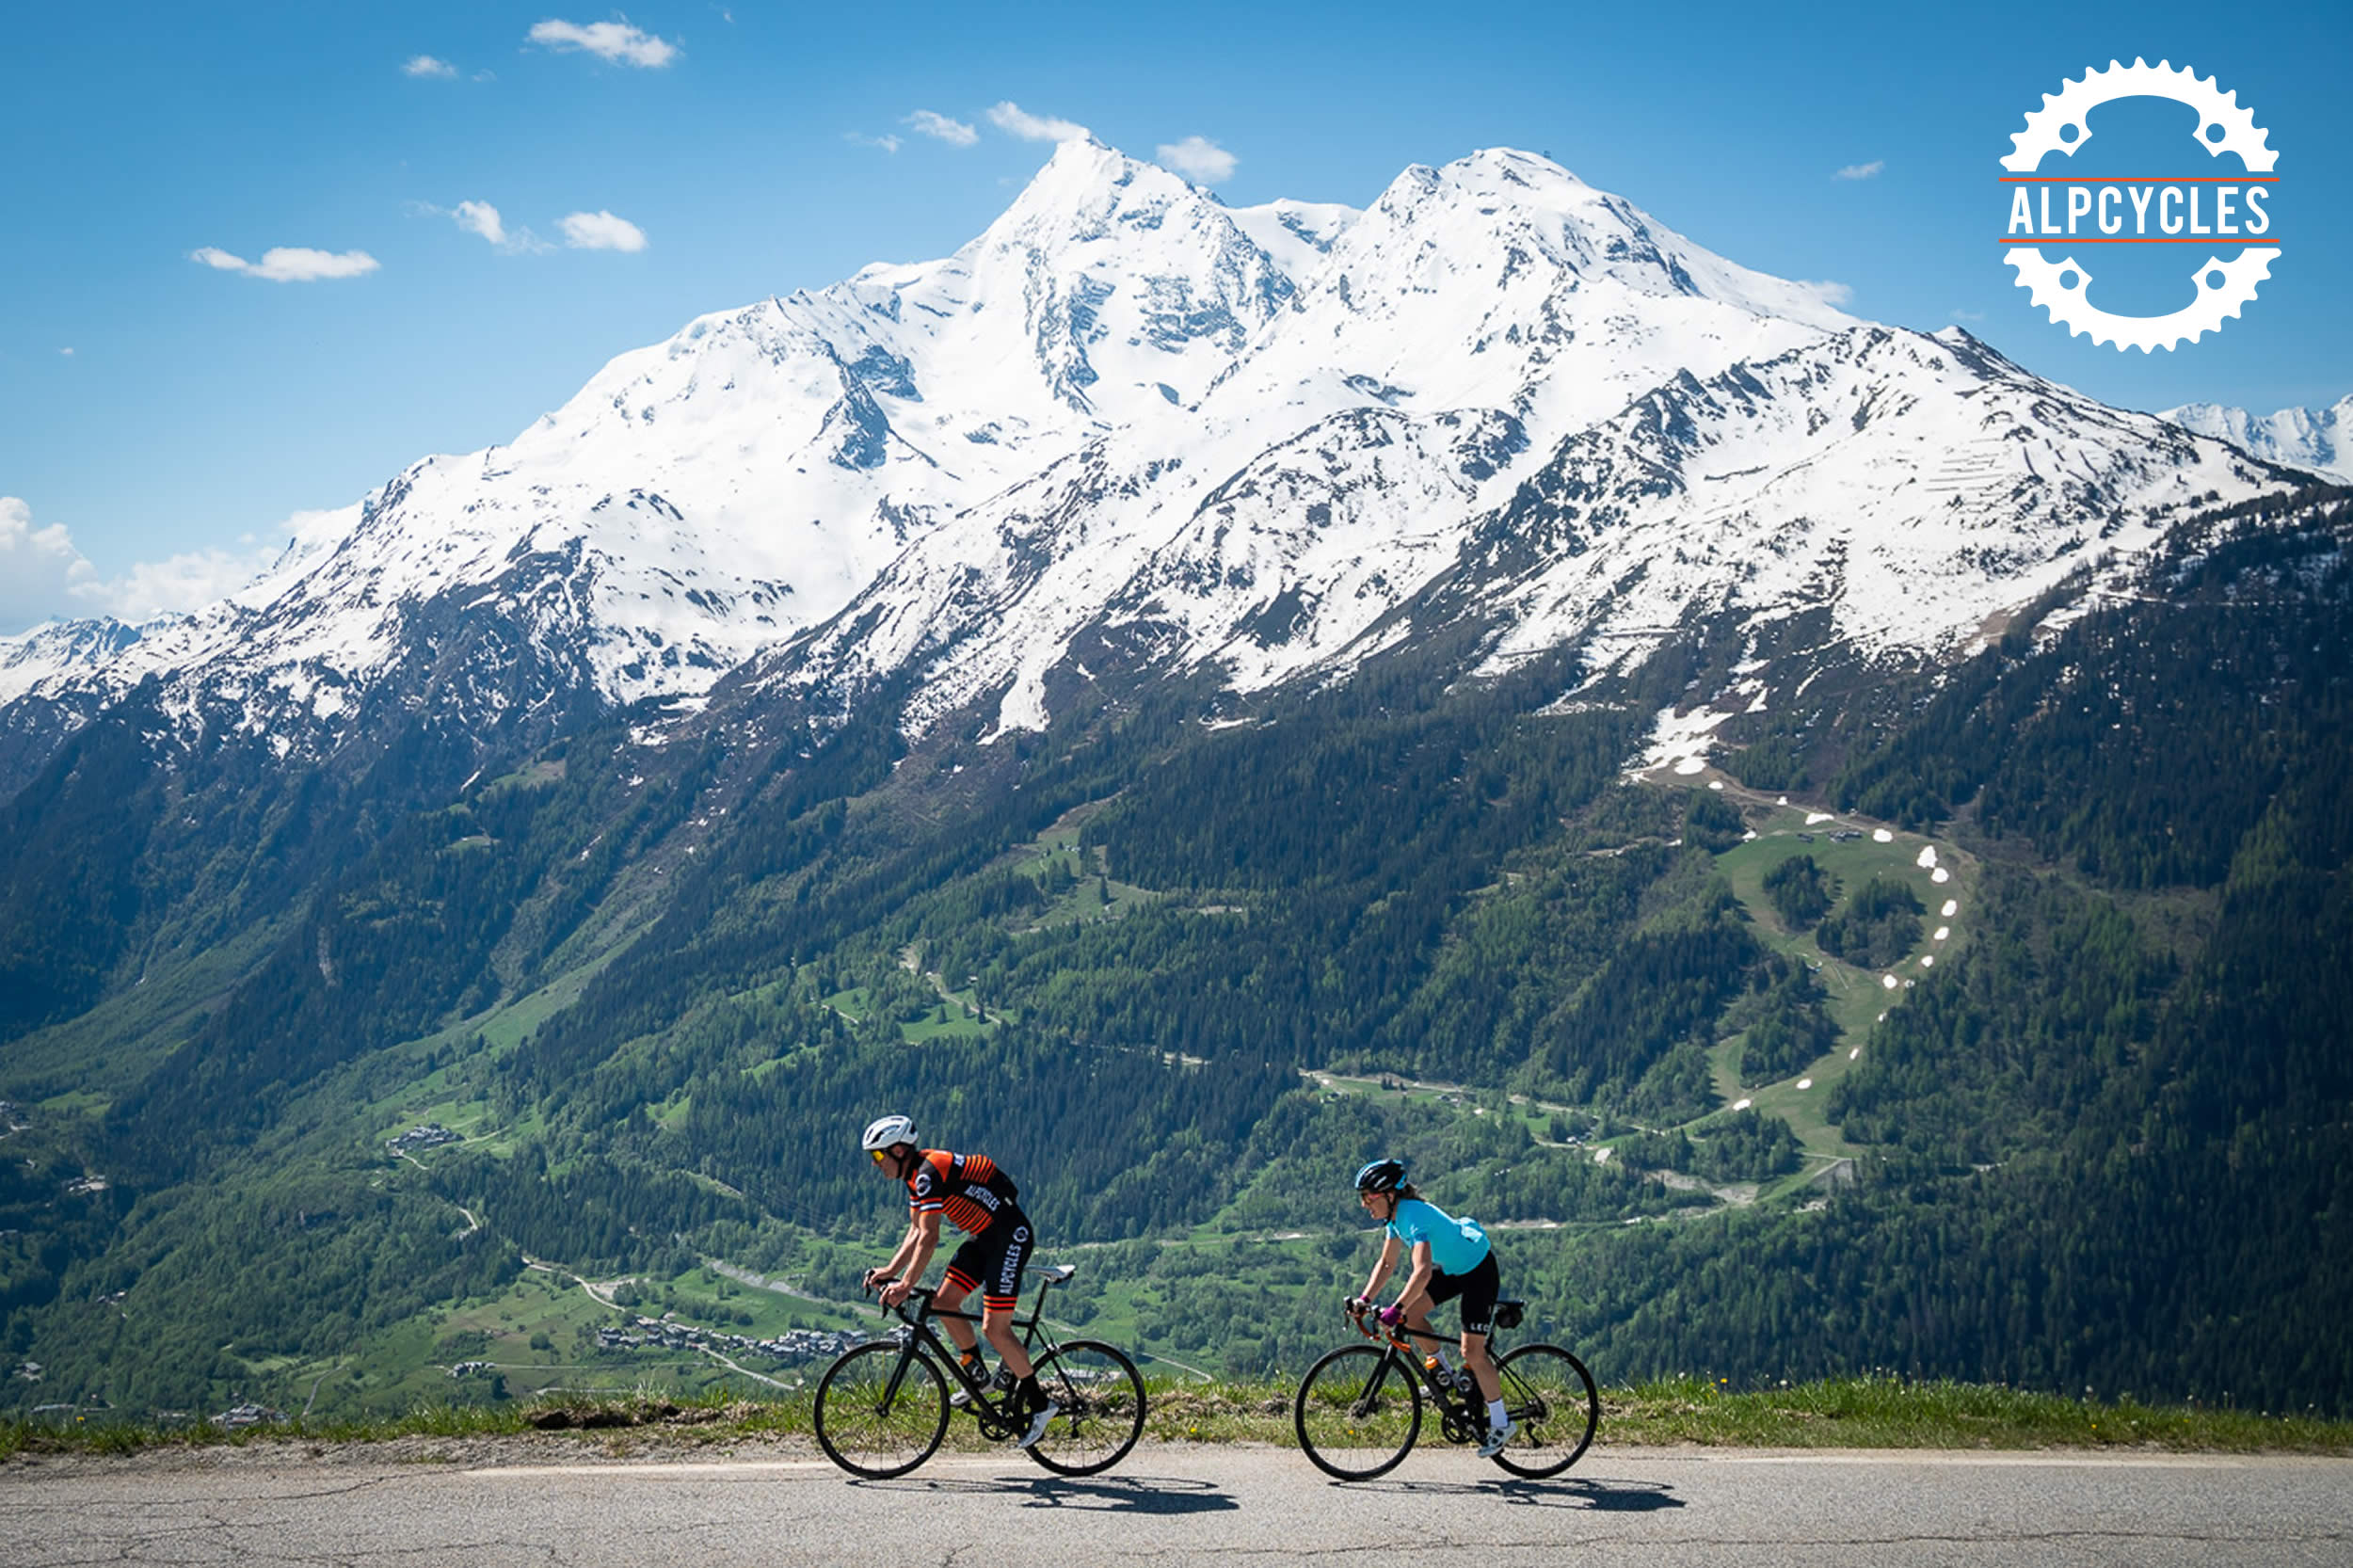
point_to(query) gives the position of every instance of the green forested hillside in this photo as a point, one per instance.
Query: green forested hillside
(1984, 1022)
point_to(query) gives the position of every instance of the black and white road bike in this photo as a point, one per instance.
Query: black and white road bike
(883, 1408)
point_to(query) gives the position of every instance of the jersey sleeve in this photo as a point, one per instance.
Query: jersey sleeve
(923, 1194)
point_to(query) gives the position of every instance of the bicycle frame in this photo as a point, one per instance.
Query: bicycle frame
(945, 1353)
(1454, 1407)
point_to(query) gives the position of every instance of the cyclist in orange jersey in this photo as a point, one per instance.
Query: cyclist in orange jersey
(981, 1200)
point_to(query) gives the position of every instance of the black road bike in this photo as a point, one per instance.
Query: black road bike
(883, 1408)
(1359, 1408)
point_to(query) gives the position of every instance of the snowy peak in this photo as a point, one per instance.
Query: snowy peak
(1503, 212)
(1503, 281)
(1086, 191)
(2319, 440)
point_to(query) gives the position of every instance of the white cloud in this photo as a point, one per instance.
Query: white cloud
(602, 230)
(39, 567)
(1861, 171)
(44, 577)
(426, 65)
(188, 581)
(480, 217)
(1828, 291)
(955, 133)
(617, 41)
(887, 143)
(1968, 315)
(1012, 120)
(1198, 159)
(290, 263)
(67, 352)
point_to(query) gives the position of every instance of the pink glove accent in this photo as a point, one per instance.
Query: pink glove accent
(1392, 1315)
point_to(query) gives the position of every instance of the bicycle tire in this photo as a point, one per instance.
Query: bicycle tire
(1101, 1395)
(869, 1429)
(1551, 1397)
(1348, 1418)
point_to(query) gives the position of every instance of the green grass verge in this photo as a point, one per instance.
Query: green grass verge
(1837, 1413)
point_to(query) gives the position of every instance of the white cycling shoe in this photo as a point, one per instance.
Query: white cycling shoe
(1498, 1437)
(1039, 1422)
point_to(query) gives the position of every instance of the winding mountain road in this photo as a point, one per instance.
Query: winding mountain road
(1178, 1505)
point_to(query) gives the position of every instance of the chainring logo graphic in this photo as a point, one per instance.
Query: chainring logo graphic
(2222, 211)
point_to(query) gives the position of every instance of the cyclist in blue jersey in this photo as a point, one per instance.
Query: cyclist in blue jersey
(1450, 1260)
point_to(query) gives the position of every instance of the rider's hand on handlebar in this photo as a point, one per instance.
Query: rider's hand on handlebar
(872, 1277)
(895, 1291)
(1356, 1306)
(1392, 1315)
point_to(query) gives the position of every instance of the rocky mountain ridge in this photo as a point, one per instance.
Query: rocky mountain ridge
(1255, 437)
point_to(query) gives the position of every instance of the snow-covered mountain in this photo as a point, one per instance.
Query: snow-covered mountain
(1272, 436)
(1910, 486)
(2319, 440)
(715, 491)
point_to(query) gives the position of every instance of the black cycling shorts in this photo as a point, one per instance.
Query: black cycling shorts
(1477, 1289)
(994, 1260)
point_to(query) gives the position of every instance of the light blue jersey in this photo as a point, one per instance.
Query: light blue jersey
(1456, 1246)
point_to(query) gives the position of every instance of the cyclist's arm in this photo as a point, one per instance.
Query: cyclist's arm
(922, 1237)
(1380, 1269)
(1418, 1280)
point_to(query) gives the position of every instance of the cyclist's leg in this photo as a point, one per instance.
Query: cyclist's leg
(1001, 1290)
(1479, 1288)
(1442, 1288)
(965, 1271)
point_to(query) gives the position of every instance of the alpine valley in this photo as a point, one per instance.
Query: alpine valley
(1833, 846)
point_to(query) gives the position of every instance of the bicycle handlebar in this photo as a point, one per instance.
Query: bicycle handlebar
(1402, 1335)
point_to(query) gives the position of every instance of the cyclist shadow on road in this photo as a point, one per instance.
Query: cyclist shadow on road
(1602, 1496)
(1162, 1495)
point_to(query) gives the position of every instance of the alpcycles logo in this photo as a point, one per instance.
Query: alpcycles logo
(2223, 212)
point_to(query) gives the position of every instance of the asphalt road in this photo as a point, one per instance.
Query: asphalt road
(1180, 1505)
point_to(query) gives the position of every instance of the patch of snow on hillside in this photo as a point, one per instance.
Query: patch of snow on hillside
(1681, 739)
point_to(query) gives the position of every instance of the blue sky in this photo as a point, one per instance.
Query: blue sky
(748, 146)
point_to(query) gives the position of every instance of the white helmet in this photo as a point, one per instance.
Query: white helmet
(886, 1131)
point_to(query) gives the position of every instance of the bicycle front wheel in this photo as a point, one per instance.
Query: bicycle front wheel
(876, 1417)
(1100, 1415)
(1551, 1398)
(1357, 1413)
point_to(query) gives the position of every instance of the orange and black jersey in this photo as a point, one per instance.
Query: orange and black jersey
(969, 1189)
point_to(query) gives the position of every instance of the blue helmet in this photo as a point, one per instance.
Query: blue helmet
(1382, 1176)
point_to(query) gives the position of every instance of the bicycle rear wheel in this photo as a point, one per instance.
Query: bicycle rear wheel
(869, 1427)
(1102, 1398)
(1551, 1397)
(1357, 1413)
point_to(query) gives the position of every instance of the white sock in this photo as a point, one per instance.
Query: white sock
(1496, 1414)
